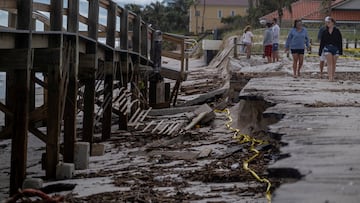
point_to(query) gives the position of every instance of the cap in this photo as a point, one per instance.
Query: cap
(327, 18)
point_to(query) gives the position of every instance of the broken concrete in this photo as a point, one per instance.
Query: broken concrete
(321, 127)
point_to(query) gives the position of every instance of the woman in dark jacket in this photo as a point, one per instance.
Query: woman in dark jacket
(331, 44)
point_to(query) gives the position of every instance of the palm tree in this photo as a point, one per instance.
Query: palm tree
(326, 6)
(280, 5)
(135, 8)
(155, 14)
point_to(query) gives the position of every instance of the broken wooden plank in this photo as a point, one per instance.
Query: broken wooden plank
(204, 153)
(182, 155)
(206, 97)
(196, 120)
(171, 111)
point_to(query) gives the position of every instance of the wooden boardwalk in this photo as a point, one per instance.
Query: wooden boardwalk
(87, 71)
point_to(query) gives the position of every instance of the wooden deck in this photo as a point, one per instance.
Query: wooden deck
(82, 70)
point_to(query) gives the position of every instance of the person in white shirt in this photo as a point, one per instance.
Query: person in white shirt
(276, 36)
(248, 40)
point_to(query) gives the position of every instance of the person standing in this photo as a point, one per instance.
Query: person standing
(322, 56)
(296, 41)
(248, 37)
(331, 45)
(276, 36)
(268, 42)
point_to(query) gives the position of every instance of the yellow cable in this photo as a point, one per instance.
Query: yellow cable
(244, 138)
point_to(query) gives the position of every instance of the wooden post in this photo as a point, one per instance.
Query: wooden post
(356, 41)
(124, 64)
(144, 40)
(144, 53)
(21, 113)
(32, 92)
(137, 35)
(54, 104)
(235, 47)
(89, 82)
(71, 98)
(109, 72)
(136, 61)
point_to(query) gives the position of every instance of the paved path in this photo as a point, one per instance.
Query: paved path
(322, 129)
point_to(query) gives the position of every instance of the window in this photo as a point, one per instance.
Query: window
(219, 14)
(233, 13)
(197, 13)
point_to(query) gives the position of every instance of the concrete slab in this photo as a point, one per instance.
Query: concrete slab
(321, 127)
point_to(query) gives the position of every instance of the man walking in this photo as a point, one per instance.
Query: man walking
(276, 36)
(322, 56)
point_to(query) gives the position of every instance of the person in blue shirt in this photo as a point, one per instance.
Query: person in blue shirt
(296, 41)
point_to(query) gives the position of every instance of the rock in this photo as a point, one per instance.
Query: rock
(98, 149)
(65, 171)
(81, 155)
(32, 183)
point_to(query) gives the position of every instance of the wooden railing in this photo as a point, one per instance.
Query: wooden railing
(76, 52)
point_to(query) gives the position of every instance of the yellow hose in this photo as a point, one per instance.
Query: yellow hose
(244, 138)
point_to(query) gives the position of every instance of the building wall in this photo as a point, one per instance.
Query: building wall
(212, 20)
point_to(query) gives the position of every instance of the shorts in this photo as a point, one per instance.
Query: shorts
(322, 57)
(268, 50)
(247, 43)
(297, 51)
(275, 47)
(331, 49)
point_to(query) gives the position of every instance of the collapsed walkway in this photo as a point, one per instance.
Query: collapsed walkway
(320, 126)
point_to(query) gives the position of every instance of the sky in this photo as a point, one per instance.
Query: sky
(3, 15)
(140, 2)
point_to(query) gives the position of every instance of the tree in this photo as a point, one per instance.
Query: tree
(326, 6)
(155, 14)
(135, 8)
(258, 8)
(280, 5)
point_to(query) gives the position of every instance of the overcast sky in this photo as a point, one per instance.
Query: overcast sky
(140, 2)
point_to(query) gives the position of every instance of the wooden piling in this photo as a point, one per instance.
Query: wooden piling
(71, 97)
(21, 98)
(124, 63)
(89, 82)
(109, 72)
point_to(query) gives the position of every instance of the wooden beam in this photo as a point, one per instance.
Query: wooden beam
(72, 90)
(8, 4)
(172, 55)
(38, 114)
(38, 133)
(54, 110)
(7, 111)
(137, 35)
(124, 63)
(109, 73)
(6, 133)
(47, 56)
(89, 81)
(41, 7)
(93, 19)
(124, 29)
(107, 104)
(144, 40)
(89, 102)
(22, 82)
(13, 58)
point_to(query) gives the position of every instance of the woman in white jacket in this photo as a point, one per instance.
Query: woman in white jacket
(248, 40)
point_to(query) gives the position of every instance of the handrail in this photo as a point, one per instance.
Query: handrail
(39, 15)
